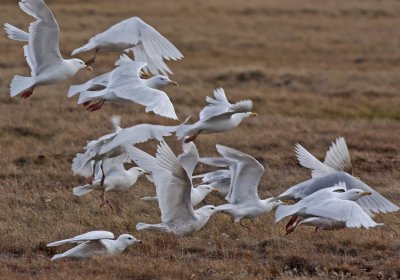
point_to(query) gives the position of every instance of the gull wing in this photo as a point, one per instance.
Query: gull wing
(154, 100)
(154, 47)
(214, 176)
(43, 46)
(338, 156)
(89, 236)
(126, 72)
(189, 158)
(342, 210)
(216, 106)
(307, 160)
(173, 184)
(138, 134)
(244, 189)
(95, 84)
(214, 161)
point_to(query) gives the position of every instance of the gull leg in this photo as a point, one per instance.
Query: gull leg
(291, 221)
(87, 103)
(92, 60)
(103, 177)
(192, 138)
(105, 201)
(27, 93)
(95, 106)
(292, 227)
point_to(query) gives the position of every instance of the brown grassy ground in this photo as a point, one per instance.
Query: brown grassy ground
(315, 70)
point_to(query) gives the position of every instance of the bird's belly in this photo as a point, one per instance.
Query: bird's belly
(52, 75)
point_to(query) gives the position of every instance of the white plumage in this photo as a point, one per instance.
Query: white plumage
(42, 51)
(94, 243)
(147, 44)
(173, 186)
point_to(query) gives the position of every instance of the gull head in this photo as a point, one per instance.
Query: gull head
(78, 64)
(128, 240)
(207, 210)
(272, 203)
(139, 171)
(206, 189)
(159, 81)
(354, 194)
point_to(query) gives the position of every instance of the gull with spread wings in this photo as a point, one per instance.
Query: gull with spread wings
(124, 84)
(146, 43)
(42, 51)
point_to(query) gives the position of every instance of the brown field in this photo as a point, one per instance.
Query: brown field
(315, 70)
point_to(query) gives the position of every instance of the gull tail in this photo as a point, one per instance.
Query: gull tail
(75, 89)
(82, 165)
(89, 96)
(19, 84)
(284, 211)
(149, 198)
(89, 46)
(15, 33)
(58, 256)
(183, 129)
(81, 190)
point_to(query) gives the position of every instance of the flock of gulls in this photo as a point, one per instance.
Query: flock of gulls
(332, 199)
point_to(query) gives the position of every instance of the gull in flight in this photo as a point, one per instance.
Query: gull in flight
(189, 159)
(173, 187)
(337, 159)
(334, 203)
(218, 116)
(124, 84)
(117, 179)
(331, 172)
(219, 179)
(94, 243)
(244, 202)
(146, 43)
(42, 51)
(111, 145)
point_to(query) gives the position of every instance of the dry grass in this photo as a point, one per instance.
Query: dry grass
(315, 69)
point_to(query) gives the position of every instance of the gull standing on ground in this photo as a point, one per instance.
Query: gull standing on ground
(110, 145)
(244, 202)
(117, 179)
(124, 84)
(42, 51)
(146, 43)
(94, 243)
(189, 159)
(173, 186)
(336, 203)
(218, 116)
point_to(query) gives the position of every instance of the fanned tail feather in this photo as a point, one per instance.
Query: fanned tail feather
(19, 84)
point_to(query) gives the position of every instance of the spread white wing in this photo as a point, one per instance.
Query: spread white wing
(89, 236)
(338, 156)
(42, 50)
(244, 187)
(306, 159)
(173, 184)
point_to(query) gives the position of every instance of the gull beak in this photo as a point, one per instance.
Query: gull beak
(147, 173)
(366, 193)
(89, 68)
(254, 114)
(173, 83)
(215, 190)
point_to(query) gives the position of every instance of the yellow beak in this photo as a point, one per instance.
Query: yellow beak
(173, 83)
(89, 68)
(147, 173)
(215, 190)
(366, 193)
(254, 114)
